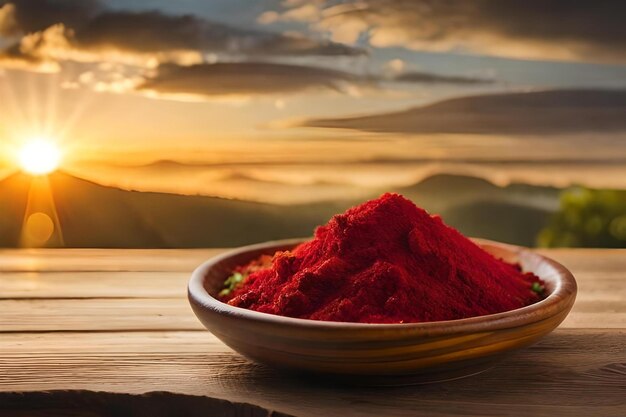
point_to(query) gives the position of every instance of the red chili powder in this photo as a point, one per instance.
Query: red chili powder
(386, 261)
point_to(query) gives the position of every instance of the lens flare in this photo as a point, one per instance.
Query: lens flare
(39, 228)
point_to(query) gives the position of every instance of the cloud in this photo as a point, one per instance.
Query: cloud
(544, 112)
(82, 30)
(173, 55)
(397, 70)
(307, 12)
(243, 79)
(419, 77)
(37, 51)
(8, 23)
(154, 31)
(528, 29)
(36, 15)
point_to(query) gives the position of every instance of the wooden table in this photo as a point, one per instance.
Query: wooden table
(117, 321)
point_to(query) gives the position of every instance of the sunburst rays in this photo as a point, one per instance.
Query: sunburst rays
(34, 139)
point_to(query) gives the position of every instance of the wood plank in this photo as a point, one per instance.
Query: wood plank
(97, 315)
(570, 372)
(599, 261)
(592, 286)
(15, 285)
(29, 260)
(49, 345)
(593, 309)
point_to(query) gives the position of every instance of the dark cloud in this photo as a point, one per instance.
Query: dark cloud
(244, 79)
(36, 15)
(539, 29)
(154, 31)
(545, 112)
(419, 77)
(258, 78)
(56, 30)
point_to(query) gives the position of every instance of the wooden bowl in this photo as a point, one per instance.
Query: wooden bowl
(380, 354)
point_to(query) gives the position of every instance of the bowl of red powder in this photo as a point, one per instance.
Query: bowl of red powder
(384, 293)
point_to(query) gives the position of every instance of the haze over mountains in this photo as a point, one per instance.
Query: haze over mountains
(92, 215)
(554, 138)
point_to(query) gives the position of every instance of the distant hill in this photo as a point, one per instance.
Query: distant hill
(501, 221)
(540, 112)
(441, 192)
(92, 215)
(13, 198)
(515, 213)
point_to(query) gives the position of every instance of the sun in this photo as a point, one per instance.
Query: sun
(39, 156)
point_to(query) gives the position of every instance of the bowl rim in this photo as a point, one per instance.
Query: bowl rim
(561, 298)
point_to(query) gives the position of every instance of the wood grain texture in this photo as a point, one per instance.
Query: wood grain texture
(579, 370)
(100, 314)
(600, 300)
(570, 372)
(175, 314)
(43, 285)
(599, 261)
(601, 277)
(594, 285)
(82, 260)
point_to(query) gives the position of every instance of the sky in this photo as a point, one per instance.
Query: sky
(248, 96)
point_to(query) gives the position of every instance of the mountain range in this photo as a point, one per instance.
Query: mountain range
(93, 215)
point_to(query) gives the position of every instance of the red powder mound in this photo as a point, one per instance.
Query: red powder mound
(386, 261)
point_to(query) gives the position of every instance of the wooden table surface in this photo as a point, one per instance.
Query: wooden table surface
(118, 321)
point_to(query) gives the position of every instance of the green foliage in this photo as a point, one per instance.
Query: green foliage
(537, 287)
(587, 218)
(231, 283)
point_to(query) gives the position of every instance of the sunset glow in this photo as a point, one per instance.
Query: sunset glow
(145, 124)
(39, 157)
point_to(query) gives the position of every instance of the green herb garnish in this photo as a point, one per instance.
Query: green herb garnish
(231, 283)
(537, 287)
